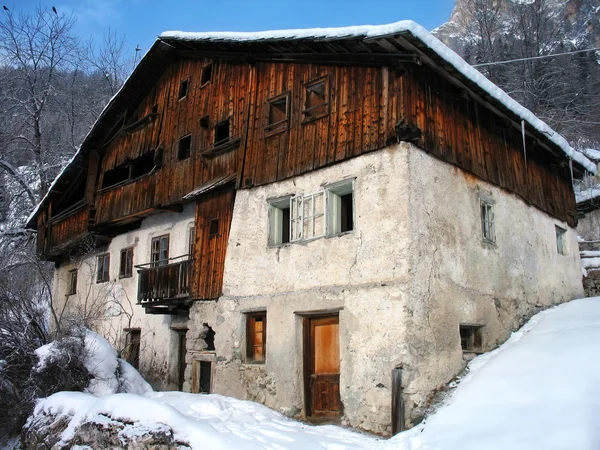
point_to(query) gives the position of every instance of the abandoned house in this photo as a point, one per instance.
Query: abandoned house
(327, 221)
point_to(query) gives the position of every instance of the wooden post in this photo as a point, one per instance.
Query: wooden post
(397, 402)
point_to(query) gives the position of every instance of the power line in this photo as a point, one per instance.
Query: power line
(535, 57)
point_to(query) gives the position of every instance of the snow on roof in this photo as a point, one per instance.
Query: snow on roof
(372, 31)
(591, 153)
(587, 194)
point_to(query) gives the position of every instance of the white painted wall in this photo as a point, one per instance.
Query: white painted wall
(113, 304)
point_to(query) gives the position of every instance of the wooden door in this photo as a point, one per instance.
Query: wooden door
(322, 367)
(214, 211)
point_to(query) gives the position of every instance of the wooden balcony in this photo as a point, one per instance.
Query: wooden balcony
(164, 287)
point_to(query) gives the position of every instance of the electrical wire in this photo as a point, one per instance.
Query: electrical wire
(534, 57)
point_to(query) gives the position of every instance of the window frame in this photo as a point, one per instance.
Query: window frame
(182, 83)
(339, 189)
(123, 273)
(487, 224)
(560, 233)
(72, 282)
(210, 67)
(250, 333)
(159, 262)
(228, 138)
(277, 221)
(281, 125)
(474, 340)
(306, 116)
(191, 240)
(189, 148)
(101, 266)
(130, 345)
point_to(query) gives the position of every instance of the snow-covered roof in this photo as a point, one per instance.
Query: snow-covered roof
(404, 26)
(591, 153)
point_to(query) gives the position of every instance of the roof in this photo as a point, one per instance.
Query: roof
(373, 42)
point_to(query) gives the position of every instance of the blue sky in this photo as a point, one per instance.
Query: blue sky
(142, 20)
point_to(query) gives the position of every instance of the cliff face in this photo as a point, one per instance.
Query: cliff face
(577, 21)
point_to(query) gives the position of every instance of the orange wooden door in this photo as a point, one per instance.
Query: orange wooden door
(324, 363)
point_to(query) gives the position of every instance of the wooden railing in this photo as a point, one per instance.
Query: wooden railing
(164, 281)
(67, 229)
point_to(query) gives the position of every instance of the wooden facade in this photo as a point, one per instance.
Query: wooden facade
(206, 118)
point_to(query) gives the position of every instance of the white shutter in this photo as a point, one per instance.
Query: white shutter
(296, 218)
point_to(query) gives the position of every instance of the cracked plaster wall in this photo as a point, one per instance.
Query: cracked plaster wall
(413, 269)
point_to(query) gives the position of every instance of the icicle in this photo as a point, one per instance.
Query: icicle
(524, 145)
(571, 167)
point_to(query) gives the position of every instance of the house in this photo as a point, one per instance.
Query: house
(327, 221)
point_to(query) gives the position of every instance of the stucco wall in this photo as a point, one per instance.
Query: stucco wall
(414, 268)
(111, 307)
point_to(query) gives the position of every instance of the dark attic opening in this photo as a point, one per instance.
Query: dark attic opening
(129, 170)
(74, 196)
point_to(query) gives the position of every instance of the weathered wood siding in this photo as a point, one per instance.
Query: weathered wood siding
(364, 106)
(225, 97)
(209, 249)
(463, 132)
(65, 230)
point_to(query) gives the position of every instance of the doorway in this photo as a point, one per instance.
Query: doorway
(322, 367)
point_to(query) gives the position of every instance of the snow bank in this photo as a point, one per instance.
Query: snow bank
(540, 390)
(374, 31)
(101, 361)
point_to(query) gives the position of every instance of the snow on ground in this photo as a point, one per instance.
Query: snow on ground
(540, 390)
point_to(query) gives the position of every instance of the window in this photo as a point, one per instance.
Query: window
(256, 337)
(488, 233)
(307, 216)
(470, 338)
(183, 88)
(184, 147)
(130, 170)
(103, 268)
(316, 99)
(277, 114)
(132, 347)
(279, 221)
(126, 268)
(340, 208)
(72, 282)
(221, 132)
(160, 250)
(191, 242)
(560, 240)
(206, 75)
(213, 228)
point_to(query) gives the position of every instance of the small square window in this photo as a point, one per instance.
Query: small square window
(278, 113)
(316, 99)
(184, 147)
(126, 268)
(488, 232)
(183, 88)
(560, 240)
(72, 282)
(221, 132)
(206, 75)
(103, 268)
(213, 228)
(340, 208)
(279, 221)
(470, 338)
(256, 337)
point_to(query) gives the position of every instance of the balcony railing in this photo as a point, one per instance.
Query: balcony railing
(164, 281)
